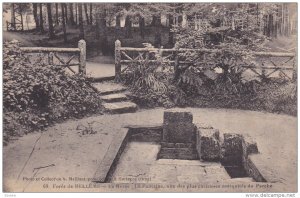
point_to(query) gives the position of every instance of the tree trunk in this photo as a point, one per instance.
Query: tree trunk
(64, 22)
(56, 14)
(50, 21)
(171, 34)
(81, 34)
(157, 38)
(12, 13)
(66, 13)
(91, 13)
(21, 15)
(71, 14)
(86, 13)
(142, 26)
(76, 13)
(103, 33)
(97, 19)
(41, 18)
(35, 16)
(156, 21)
(180, 19)
(118, 21)
(128, 27)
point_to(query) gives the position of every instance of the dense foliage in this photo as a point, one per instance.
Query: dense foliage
(213, 78)
(36, 95)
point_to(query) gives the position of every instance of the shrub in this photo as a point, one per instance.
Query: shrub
(39, 94)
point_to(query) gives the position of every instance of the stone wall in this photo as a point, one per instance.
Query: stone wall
(180, 138)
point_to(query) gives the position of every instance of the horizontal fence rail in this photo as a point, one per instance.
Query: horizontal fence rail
(275, 54)
(267, 63)
(55, 57)
(48, 49)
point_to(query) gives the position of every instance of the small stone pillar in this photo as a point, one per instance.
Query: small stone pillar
(179, 136)
(208, 143)
(178, 127)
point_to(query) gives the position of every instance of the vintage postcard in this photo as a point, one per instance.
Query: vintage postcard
(150, 97)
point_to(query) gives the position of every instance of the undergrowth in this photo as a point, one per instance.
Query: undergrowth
(36, 95)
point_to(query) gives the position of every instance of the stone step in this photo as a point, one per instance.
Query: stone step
(120, 107)
(118, 97)
(106, 88)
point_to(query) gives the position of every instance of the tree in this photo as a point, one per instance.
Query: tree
(50, 21)
(142, 26)
(91, 13)
(64, 22)
(35, 16)
(171, 34)
(101, 29)
(156, 20)
(66, 13)
(86, 13)
(12, 11)
(56, 14)
(41, 18)
(118, 20)
(72, 22)
(76, 13)
(128, 26)
(81, 28)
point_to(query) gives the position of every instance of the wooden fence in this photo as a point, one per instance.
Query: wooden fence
(55, 56)
(266, 64)
(18, 26)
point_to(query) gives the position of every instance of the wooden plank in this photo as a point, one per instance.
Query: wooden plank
(286, 75)
(275, 70)
(48, 49)
(128, 57)
(256, 67)
(275, 54)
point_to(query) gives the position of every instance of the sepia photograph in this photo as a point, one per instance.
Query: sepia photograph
(193, 97)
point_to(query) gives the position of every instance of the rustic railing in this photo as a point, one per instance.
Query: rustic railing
(55, 57)
(14, 26)
(267, 63)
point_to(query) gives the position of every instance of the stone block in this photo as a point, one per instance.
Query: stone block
(201, 125)
(167, 145)
(257, 172)
(178, 153)
(231, 151)
(249, 146)
(179, 133)
(174, 116)
(208, 144)
(178, 127)
(198, 142)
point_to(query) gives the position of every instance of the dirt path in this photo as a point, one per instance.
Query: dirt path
(64, 151)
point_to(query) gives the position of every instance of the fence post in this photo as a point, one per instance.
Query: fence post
(176, 65)
(50, 58)
(160, 52)
(263, 72)
(147, 57)
(82, 57)
(295, 70)
(117, 60)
